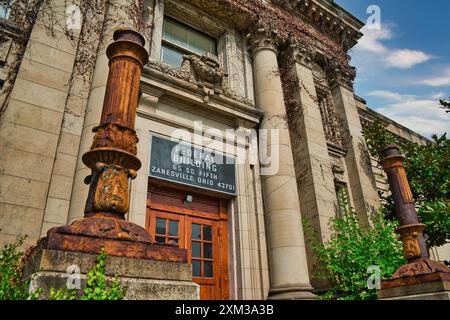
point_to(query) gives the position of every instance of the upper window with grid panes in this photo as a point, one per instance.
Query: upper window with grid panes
(179, 39)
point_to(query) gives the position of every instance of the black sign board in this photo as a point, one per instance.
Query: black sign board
(187, 164)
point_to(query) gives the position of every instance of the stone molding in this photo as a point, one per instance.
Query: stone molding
(305, 55)
(332, 124)
(157, 85)
(200, 72)
(344, 76)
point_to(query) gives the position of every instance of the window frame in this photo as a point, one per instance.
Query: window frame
(167, 43)
(157, 214)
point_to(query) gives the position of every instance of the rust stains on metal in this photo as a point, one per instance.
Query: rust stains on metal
(411, 230)
(136, 250)
(113, 162)
(417, 278)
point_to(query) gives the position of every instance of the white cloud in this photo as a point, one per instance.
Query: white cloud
(372, 43)
(439, 95)
(440, 81)
(406, 59)
(423, 116)
(386, 95)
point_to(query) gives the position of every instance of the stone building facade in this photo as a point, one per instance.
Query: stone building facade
(212, 70)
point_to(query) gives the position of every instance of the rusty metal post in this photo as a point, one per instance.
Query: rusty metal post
(113, 162)
(112, 157)
(411, 230)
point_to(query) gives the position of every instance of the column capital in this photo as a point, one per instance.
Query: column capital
(342, 75)
(262, 38)
(304, 54)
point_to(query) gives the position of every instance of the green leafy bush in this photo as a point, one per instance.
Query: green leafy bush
(428, 170)
(352, 248)
(13, 286)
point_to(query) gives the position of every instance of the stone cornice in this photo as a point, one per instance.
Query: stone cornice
(326, 14)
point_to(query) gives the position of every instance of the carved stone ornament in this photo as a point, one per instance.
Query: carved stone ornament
(342, 76)
(332, 123)
(318, 73)
(304, 54)
(261, 38)
(203, 72)
(112, 135)
(111, 194)
(338, 173)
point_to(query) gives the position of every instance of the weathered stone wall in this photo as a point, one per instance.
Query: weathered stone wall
(37, 143)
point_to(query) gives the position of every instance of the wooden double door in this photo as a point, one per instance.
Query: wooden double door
(200, 227)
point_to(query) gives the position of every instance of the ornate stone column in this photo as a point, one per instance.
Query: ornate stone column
(289, 278)
(361, 178)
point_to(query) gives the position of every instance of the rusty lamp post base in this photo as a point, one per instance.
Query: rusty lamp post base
(113, 162)
(420, 270)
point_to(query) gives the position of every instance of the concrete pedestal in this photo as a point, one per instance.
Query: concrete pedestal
(434, 286)
(145, 279)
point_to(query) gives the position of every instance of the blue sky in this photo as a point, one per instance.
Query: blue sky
(404, 67)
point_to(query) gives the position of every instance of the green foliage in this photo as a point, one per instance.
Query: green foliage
(352, 248)
(66, 294)
(97, 286)
(12, 284)
(428, 170)
(378, 137)
(435, 214)
(445, 104)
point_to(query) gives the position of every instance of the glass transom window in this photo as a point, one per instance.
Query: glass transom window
(180, 39)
